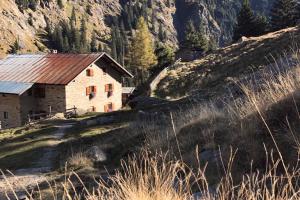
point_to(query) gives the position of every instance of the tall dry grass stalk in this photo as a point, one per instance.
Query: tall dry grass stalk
(160, 176)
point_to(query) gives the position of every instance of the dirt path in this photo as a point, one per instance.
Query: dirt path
(30, 177)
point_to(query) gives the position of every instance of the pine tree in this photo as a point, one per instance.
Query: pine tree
(60, 4)
(94, 43)
(142, 51)
(261, 25)
(22, 4)
(246, 22)
(298, 13)
(15, 48)
(161, 33)
(66, 44)
(165, 56)
(283, 14)
(73, 16)
(83, 39)
(60, 39)
(76, 42)
(100, 47)
(113, 47)
(32, 4)
(194, 38)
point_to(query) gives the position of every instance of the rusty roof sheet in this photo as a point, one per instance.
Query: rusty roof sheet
(8, 87)
(49, 68)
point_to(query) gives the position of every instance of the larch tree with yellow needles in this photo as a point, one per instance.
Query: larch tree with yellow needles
(142, 51)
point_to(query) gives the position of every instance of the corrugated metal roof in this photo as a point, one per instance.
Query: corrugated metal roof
(8, 87)
(49, 68)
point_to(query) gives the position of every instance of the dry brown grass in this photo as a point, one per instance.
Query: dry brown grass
(79, 160)
(257, 137)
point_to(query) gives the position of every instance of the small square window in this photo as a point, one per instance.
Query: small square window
(104, 71)
(89, 72)
(5, 115)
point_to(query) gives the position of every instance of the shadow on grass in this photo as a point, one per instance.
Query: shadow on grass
(117, 144)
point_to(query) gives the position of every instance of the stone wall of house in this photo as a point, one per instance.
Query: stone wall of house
(55, 96)
(32, 104)
(11, 104)
(76, 90)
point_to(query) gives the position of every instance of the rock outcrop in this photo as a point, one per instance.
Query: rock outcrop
(28, 26)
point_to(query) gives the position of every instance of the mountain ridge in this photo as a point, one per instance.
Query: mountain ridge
(217, 17)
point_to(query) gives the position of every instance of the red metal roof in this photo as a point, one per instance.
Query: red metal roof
(49, 68)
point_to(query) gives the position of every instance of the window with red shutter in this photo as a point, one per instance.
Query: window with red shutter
(88, 91)
(94, 89)
(106, 87)
(90, 72)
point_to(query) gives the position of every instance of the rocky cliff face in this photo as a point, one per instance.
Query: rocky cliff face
(29, 25)
(217, 17)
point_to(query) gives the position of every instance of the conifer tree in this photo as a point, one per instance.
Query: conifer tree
(246, 22)
(83, 38)
(114, 53)
(283, 14)
(94, 43)
(161, 33)
(60, 4)
(60, 39)
(73, 16)
(165, 55)
(194, 38)
(298, 13)
(15, 48)
(32, 4)
(66, 44)
(261, 25)
(142, 51)
(76, 43)
(100, 47)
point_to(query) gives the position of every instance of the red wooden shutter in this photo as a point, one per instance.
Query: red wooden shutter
(91, 72)
(106, 88)
(105, 108)
(88, 91)
(95, 89)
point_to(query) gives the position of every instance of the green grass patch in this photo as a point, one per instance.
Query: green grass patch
(22, 150)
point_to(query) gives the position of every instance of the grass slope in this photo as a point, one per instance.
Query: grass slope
(209, 76)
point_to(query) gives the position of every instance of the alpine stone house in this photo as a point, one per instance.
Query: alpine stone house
(54, 83)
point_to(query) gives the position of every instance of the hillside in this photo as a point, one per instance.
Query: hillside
(217, 17)
(244, 144)
(212, 75)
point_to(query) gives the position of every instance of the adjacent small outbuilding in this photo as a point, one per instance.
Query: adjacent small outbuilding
(31, 85)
